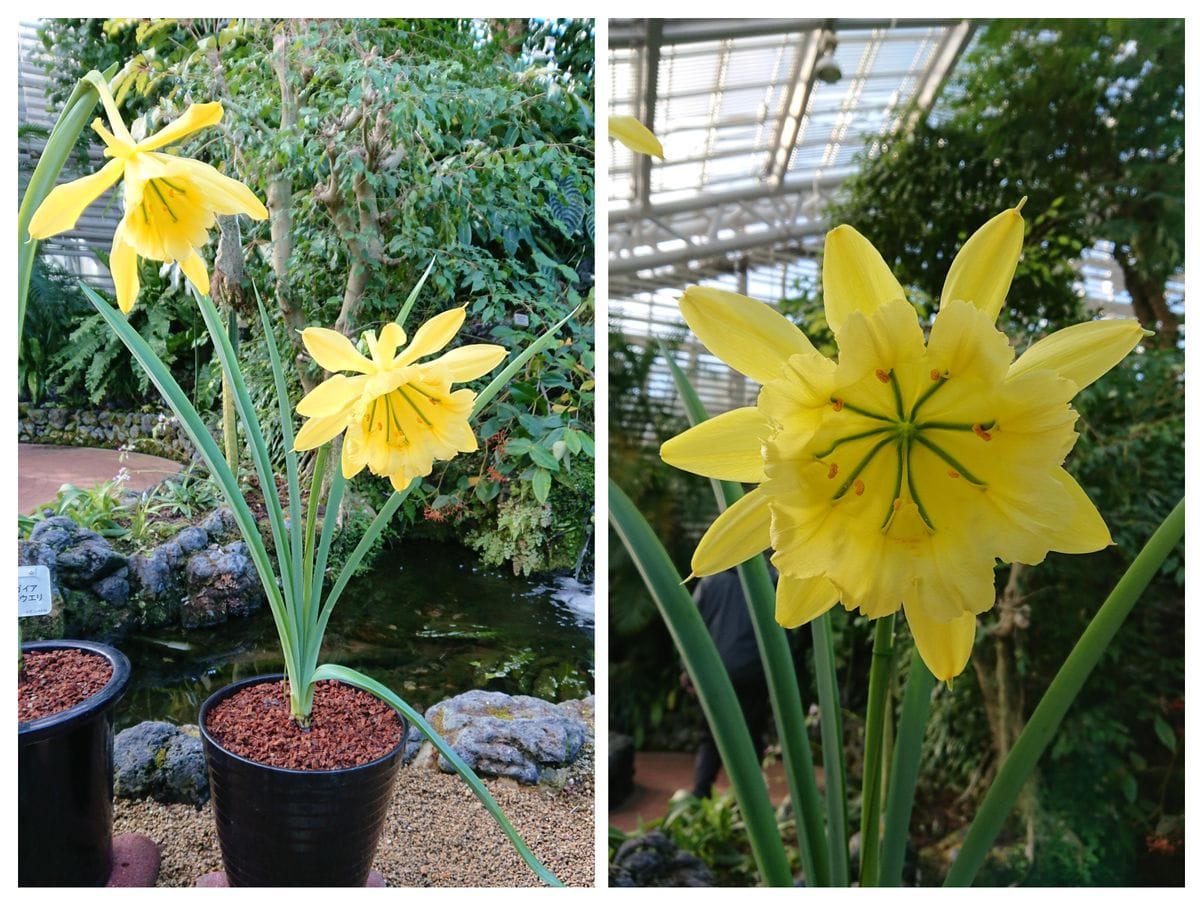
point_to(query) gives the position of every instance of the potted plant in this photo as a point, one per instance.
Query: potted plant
(399, 414)
(67, 691)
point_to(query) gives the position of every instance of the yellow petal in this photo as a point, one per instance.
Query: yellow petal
(747, 334)
(333, 351)
(391, 336)
(1081, 353)
(983, 269)
(1084, 530)
(945, 647)
(194, 118)
(798, 601)
(854, 277)
(65, 204)
(332, 396)
(196, 270)
(400, 481)
(634, 135)
(964, 342)
(726, 447)
(433, 335)
(317, 431)
(472, 361)
(353, 455)
(222, 194)
(742, 531)
(123, 263)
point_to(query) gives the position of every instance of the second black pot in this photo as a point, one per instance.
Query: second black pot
(280, 827)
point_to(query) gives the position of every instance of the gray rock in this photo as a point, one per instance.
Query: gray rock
(221, 525)
(505, 735)
(654, 860)
(220, 583)
(160, 761)
(150, 575)
(56, 531)
(37, 553)
(185, 543)
(114, 589)
(84, 557)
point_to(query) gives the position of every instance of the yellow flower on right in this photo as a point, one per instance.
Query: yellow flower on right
(898, 474)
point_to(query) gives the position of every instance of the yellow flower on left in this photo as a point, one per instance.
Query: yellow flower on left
(171, 202)
(399, 414)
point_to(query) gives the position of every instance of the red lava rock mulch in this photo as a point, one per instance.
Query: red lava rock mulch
(349, 727)
(55, 681)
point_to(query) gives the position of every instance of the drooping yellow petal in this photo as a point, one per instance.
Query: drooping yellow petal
(333, 351)
(196, 270)
(65, 204)
(983, 269)
(748, 335)
(123, 264)
(332, 396)
(944, 646)
(798, 601)
(634, 135)
(729, 446)
(433, 335)
(194, 118)
(1081, 353)
(472, 361)
(742, 531)
(221, 194)
(854, 277)
(317, 431)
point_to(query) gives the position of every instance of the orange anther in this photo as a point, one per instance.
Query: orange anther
(935, 374)
(859, 487)
(838, 403)
(882, 376)
(832, 470)
(897, 504)
(952, 473)
(981, 432)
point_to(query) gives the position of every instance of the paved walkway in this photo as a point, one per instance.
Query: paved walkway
(657, 775)
(42, 470)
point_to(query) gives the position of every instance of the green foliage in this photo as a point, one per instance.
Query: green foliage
(54, 302)
(103, 508)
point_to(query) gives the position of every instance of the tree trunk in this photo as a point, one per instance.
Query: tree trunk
(1149, 300)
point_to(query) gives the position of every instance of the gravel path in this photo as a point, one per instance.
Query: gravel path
(437, 832)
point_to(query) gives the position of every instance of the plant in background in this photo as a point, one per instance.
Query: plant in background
(102, 508)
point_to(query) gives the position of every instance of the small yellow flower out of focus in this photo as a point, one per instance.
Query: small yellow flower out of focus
(898, 475)
(399, 414)
(171, 202)
(634, 135)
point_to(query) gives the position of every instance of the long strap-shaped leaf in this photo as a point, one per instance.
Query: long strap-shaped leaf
(832, 753)
(366, 683)
(1053, 706)
(713, 687)
(779, 669)
(191, 422)
(505, 375)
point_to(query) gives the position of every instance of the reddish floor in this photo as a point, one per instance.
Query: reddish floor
(657, 775)
(42, 470)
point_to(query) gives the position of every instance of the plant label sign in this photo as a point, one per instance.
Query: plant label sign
(33, 590)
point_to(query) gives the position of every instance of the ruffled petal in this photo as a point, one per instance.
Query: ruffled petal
(798, 601)
(1081, 353)
(634, 135)
(854, 277)
(472, 361)
(194, 118)
(944, 646)
(333, 351)
(983, 269)
(747, 334)
(729, 446)
(742, 531)
(65, 204)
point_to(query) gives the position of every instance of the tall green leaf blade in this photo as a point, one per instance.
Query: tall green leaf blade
(505, 375)
(412, 295)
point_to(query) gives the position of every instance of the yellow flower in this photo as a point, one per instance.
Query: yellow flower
(634, 135)
(170, 202)
(399, 414)
(897, 475)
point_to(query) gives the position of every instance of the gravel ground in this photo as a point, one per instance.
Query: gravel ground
(437, 832)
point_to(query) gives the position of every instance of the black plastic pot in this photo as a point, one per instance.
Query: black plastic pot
(65, 783)
(281, 827)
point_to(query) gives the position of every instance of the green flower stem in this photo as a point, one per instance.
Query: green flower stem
(878, 696)
(832, 755)
(228, 408)
(780, 671)
(905, 762)
(71, 121)
(713, 687)
(1044, 723)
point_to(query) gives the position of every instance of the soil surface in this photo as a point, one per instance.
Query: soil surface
(55, 681)
(349, 727)
(437, 832)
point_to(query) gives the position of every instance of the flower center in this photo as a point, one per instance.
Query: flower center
(893, 428)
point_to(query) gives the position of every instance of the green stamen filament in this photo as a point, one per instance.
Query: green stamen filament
(166, 205)
(861, 411)
(954, 464)
(172, 186)
(862, 464)
(895, 383)
(925, 395)
(412, 403)
(855, 437)
(912, 491)
(957, 426)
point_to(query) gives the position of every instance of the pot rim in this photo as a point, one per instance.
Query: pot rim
(210, 742)
(46, 727)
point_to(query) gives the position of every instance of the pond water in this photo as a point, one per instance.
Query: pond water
(427, 620)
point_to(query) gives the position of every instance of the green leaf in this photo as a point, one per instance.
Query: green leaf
(1165, 733)
(543, 457)
(541, 485)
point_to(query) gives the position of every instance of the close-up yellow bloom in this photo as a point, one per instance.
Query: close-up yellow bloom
(634, 135)
(898, 474)
(171, 202)
(399, 414)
